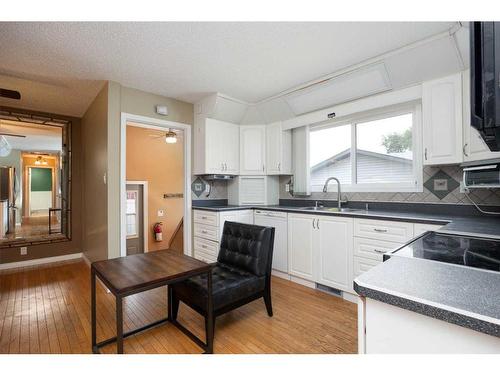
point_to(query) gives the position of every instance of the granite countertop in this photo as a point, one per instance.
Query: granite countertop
(481, 226)
(465, 296)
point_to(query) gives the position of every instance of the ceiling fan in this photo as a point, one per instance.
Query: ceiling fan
(170, 136)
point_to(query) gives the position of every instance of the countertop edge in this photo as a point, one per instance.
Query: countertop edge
(432, 310)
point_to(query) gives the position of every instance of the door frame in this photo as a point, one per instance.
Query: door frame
(145, 218)
(155, 124)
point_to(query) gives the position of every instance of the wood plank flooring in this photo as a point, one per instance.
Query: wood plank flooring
(46, 309)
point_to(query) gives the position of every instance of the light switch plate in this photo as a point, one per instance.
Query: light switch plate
(24, 250)
(161, 213)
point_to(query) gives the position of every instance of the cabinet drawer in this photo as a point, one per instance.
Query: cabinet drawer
(206, 217)
(203, 257)
(394, 231)
(373, 249)
(206, 246)
(206, 231)
(362, 265)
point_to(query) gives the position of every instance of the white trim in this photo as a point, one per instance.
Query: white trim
(157, 124)
(145, 212)
(34, 262)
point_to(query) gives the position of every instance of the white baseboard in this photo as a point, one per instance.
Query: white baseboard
(34, 262)
(350, 297)
(281, 274)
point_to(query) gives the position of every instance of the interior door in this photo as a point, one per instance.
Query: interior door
(135, 219)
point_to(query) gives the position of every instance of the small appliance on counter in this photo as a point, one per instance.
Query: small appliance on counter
(467, 251)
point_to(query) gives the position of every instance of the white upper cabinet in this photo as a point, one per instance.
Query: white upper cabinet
(216, 145)
(442, 120)
(474, 147)
(278, 149)
(252, 150)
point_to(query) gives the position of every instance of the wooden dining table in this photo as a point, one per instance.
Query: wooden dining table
(138, 273)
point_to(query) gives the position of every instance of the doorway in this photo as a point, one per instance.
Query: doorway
(157, 152)
(40, 191)
(137, 217)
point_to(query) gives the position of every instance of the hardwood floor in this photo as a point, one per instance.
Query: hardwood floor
(46, 309)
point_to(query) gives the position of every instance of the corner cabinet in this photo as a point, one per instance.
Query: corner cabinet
(442, 120)
(252, 150)
(278, 149)
(217, 147)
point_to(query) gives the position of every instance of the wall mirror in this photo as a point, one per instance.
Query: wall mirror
(35, 179)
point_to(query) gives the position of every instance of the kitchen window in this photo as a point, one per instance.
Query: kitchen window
(378, 152)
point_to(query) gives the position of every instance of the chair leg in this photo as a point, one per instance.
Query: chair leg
(209, 330)
(175, 307)
(267, 300)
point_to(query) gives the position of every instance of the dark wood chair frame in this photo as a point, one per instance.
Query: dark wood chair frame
(120, 335)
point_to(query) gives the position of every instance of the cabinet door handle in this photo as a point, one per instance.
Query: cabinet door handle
(263, 167)
(225, 164)
(317, 223)
(205, 246)
(380, 230)
(279, 166)
(425, 153)
(203, 231)
(379, 251)
(464, 150)
(313, 223)
(222, 167)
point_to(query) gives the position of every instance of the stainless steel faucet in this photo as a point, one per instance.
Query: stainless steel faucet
(339, 193)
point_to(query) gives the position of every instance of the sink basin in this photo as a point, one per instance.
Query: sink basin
(329, 209)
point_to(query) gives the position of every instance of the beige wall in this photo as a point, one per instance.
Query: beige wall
(94, 139)
(162, 165)
(102, 123)
(75, 244)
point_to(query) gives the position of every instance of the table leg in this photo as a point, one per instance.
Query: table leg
(119, 325)
(93, 311)
(169, 303)
(210, 315)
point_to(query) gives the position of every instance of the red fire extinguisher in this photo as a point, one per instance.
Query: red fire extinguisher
(158, 231)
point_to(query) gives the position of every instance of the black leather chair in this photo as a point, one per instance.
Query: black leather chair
(242, 274)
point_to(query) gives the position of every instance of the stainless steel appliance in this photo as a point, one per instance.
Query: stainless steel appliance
(468, 251)
(8, 194)
(484, 175)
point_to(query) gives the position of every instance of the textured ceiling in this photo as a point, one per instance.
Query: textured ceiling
(186, 61)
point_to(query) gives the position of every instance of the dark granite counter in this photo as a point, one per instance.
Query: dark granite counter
(456, 294)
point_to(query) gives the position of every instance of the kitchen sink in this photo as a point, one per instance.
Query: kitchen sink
(330, 209)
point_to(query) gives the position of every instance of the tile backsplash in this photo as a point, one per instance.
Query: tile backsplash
(441, 185)
(218, 189)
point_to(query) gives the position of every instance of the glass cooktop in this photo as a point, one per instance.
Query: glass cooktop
(467, 251)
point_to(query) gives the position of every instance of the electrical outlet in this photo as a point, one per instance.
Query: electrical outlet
(463, 189)
(287, 188)
(161, 213)
(24, 250)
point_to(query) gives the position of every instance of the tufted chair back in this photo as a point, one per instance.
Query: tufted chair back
(247, 247)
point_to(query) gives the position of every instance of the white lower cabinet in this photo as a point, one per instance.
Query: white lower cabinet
(207, 230)
(300, 245)
(332, 249)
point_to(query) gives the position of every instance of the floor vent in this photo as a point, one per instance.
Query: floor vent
(329, 290)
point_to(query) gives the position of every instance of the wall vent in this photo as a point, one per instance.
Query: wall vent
(10, 94)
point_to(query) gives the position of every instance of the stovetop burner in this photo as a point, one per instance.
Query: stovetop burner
(468, 251)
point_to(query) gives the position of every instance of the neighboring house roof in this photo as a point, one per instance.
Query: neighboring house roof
(347, 153)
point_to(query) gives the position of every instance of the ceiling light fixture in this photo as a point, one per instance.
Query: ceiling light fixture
(40, 161)
(170, 137)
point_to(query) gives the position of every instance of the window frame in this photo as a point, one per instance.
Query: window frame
(415, 108)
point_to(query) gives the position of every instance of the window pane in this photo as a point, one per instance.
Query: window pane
(330, 154)
(131, 202)
(131, 225)
(384, 150)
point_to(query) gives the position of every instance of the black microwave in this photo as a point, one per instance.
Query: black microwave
(485, 81)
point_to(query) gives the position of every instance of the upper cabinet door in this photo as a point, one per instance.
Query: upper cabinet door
(253, 150)
(474, 147)
(214, 152)
(278, 149)
(442, 120)
(230, 147)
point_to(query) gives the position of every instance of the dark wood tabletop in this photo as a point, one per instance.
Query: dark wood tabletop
(133, 272)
